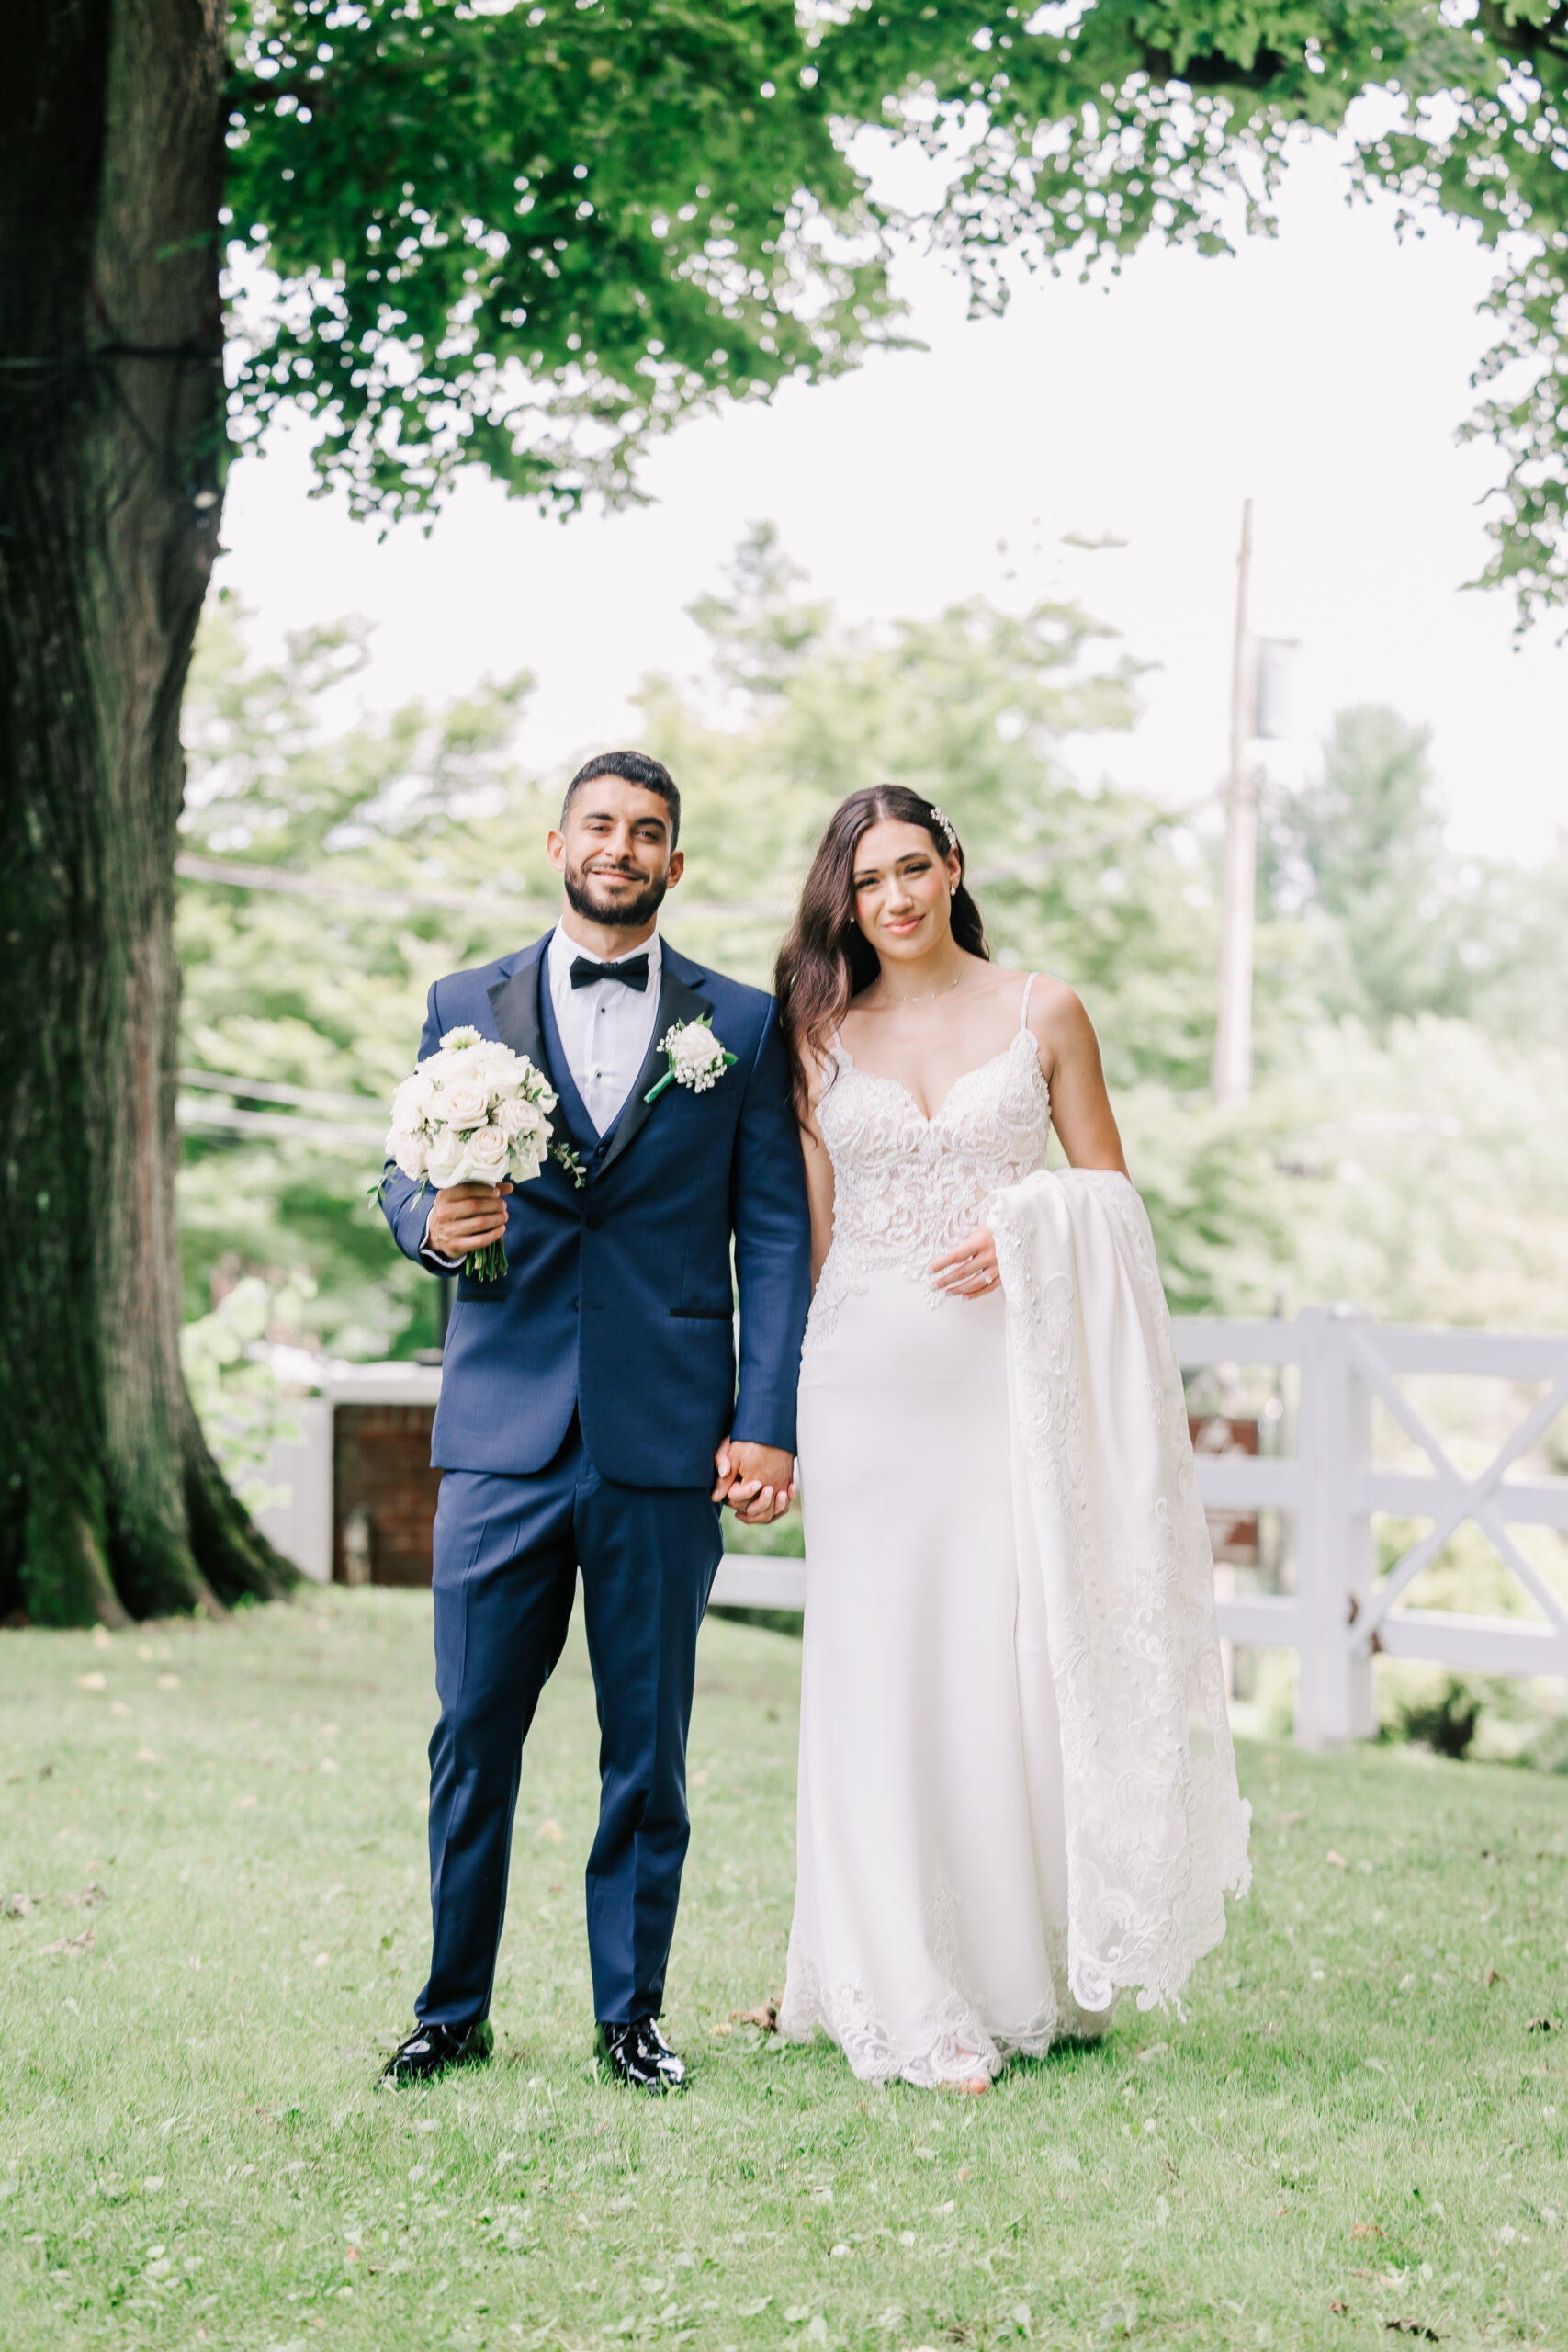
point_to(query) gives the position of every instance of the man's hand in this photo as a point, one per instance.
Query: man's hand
(756, 1481)
(467, 1217)
(970, 1270)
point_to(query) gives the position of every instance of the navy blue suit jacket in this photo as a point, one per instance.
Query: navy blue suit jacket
(618, 1301)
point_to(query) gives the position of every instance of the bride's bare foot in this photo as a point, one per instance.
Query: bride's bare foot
(967, 2086)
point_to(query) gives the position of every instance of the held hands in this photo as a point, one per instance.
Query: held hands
(468, 1217)
(970, 1270)
(756, 1481)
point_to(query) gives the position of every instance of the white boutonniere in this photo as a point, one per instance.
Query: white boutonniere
(696, 1058)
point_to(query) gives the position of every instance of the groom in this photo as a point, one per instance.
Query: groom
(588, 1398)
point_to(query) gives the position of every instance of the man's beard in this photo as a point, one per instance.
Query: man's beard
(617, 914)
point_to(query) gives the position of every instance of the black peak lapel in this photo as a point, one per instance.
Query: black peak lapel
(515, 1006)
(678, 1000)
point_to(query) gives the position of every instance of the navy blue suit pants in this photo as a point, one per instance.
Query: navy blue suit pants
(507, 1554)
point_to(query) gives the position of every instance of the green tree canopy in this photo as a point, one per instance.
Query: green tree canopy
(531, 237)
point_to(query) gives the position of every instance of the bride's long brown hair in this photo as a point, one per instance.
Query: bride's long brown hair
(825, 961)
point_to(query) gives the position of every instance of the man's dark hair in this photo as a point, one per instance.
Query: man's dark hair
(635, 767)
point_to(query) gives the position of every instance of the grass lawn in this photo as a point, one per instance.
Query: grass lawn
(215, 1835)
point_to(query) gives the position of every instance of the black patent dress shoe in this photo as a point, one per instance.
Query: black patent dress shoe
(638, 2054)
(431, 2049)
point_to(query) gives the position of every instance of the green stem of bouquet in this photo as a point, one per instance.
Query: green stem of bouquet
(489, 1264)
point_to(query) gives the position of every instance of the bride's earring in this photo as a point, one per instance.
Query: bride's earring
(952, 891)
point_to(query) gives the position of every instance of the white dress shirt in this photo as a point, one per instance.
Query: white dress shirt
(605, 1028)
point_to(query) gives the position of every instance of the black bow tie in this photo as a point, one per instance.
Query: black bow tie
(631, 971)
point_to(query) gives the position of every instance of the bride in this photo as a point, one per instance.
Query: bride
(1016, 1790)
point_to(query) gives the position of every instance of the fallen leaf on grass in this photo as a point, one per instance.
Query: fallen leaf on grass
(245, 1805)
(1337, 1861)
(755, 2310)
(92, 1682)
(71, 1944)
(1342, 2309)
(19, 1907)
(86, 1899)
(1495, 1976)
(551, 1832)
(1544, 2025)
(718, 2032)
(765, 2016)
(1366, 2229)
(1412, 2327)
(1156, 2050)
(168, 1682)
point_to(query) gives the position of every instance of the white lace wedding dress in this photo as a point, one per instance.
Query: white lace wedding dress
(1017, 1793)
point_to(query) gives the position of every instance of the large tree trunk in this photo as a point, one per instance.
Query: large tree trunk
(111, 451)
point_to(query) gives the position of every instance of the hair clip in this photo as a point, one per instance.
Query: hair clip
(945, 822)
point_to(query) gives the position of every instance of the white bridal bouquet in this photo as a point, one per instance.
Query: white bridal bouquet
(475, 1112)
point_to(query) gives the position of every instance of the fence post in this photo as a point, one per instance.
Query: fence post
(1350, 1462)
(1336, 1552)
(1313, 1667)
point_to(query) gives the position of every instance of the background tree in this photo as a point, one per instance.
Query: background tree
(1392, 1153)
(529, 238)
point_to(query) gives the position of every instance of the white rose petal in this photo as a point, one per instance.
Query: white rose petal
(462, 1104)
(411, 1100)
(487, 1152)
(457, 1040)
(410, 1152)
(448, 1161)
(519, 1117)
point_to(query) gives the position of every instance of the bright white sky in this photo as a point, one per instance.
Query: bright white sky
(1322, 375)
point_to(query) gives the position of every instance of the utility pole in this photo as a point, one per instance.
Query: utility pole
(1233, 1039)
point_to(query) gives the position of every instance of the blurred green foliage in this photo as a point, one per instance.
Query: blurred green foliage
(1405, 1142)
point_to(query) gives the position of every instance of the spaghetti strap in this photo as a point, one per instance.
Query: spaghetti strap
(1024, 1008)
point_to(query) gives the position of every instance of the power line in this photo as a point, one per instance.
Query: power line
(269, 1089)
(230, 1119)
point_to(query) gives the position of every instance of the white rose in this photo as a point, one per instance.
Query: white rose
(517, 1118)
(523, 1160)
(487, 1154)
(498, 1066)
(463, 1103)
(409, 1151)
(411, 1100)
(454, 1041)
(447, 1161)
(695, 1049)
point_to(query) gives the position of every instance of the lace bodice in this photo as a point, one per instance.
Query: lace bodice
(906, 1187)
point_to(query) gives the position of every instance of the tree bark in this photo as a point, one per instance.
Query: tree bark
(111, 457)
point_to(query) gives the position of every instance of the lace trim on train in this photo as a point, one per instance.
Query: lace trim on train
(1155, 1833)
(948, 2045)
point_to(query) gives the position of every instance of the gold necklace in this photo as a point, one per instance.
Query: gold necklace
(931, 998)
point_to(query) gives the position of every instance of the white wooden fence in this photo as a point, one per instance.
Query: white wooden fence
(1342, 1608)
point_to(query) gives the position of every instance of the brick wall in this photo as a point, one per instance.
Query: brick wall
(381, 1468)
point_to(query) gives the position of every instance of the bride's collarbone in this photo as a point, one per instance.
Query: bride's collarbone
(928, 1047)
